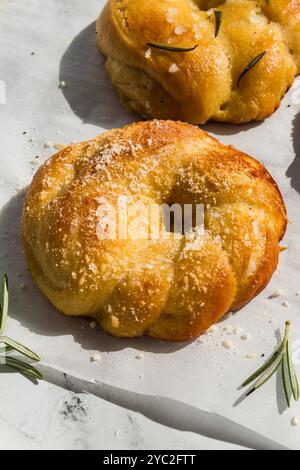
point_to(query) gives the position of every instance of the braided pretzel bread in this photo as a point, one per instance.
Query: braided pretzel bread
(210, 82)
(159, 287)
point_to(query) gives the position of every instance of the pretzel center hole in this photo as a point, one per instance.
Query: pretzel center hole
(183, 218)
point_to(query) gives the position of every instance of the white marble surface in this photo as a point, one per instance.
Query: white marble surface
(40, 44)
(45, 416)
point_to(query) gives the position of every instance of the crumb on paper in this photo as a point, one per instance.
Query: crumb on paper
(48, 144)
(228, 344)
(245, 337)
(140, 356)
(96, 357)
(285, 304)
(237, 330)
(295, 421)
(277, 293)
(227, 328)
(37, 161)
(252, 355)
(213, 329)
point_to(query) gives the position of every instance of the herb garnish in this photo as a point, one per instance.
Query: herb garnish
(171, 48)
(7, 344)
(251, 65)
(218, 18)
(280, 358)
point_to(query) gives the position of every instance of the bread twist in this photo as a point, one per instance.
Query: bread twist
(206, 83)
(159, 287)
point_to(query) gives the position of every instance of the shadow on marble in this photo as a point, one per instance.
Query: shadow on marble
(223, 129)
(166, 411)
(88, 90)
(293, 172)
(34, 311)
(7, 370)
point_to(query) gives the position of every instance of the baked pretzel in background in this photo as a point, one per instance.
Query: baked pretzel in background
(243, 56)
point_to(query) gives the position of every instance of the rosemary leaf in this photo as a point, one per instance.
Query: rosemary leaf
(171, 48)
(269, 373)
(218, 18)
(5, 349)
(4, 303)
(20, 348)
(264, 367)
(284, 367)
(23, 367)
(251, 65)
(7, 345)
(292, 374)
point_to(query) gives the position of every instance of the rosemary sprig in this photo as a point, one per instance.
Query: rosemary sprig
(14, 345)
(218, 19)
(251, 65)
(8, 345)
(165, 47)
(5, 349)
(285, 381)
(26, 369)
(292, 375)
(280, 358)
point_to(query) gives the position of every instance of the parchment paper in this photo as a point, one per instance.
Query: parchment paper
(42, 43)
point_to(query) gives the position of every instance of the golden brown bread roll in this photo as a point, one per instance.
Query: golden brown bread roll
(203, 84)
(172, 288)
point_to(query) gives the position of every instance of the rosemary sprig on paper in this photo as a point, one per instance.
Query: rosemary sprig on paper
(280, 358)
(165, 47)
(8, 345)
(251, 65)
